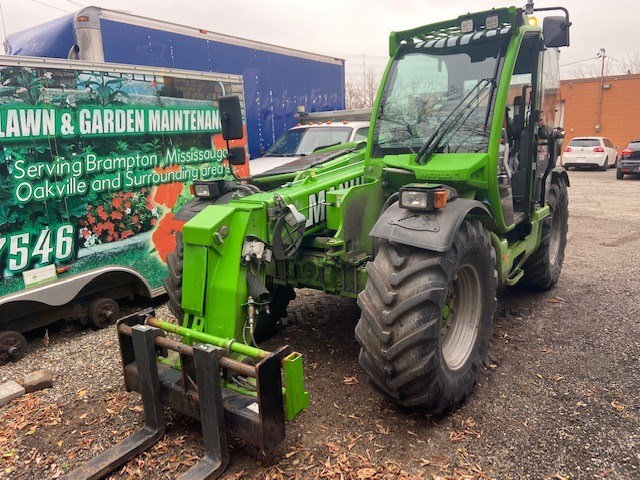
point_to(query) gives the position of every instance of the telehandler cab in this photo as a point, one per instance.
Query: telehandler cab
(455, 193)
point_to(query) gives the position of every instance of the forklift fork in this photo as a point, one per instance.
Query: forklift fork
(259, 419)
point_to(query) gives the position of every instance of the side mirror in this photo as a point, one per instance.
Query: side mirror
(556, 32)
(230, 117)
(236, 155)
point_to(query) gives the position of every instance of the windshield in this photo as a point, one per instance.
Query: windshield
(585, 142)
(303, 141)
(441, 97)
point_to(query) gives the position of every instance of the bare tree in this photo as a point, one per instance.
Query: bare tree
(593, 70)
(361, 91)
(630, 63)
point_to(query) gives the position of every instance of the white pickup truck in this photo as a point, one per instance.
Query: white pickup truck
(314, 132)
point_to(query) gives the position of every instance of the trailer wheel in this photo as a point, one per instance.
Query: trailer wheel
(13, 346)
(426, 319)
(103, 312)
(542, 269)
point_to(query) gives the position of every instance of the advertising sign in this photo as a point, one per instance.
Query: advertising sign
(93, 164)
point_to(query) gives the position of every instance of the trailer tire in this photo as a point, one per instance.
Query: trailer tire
(418, 346)
(266, 325)
(542, 268)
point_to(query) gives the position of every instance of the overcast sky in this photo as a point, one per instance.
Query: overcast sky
(347, 29)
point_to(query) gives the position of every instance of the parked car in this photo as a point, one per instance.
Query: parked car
(590, 152)
(629, 161)
(315, 133)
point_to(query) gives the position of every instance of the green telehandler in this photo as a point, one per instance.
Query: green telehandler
(455, 192)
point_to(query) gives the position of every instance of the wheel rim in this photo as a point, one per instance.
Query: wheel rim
(554, 237)
(461, 317)
(104, 313)
(13, 346)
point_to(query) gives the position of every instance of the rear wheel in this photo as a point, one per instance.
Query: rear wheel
(605, 166)
(542, 269)
(619, 175)
(426, 319)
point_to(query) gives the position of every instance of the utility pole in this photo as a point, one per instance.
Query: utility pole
(602, 55)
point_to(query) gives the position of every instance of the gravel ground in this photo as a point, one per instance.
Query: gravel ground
(557, 400)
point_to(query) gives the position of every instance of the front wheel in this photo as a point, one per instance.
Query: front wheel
(426, 319)
(280, 295)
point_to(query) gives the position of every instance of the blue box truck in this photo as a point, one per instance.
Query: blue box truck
(276, 79)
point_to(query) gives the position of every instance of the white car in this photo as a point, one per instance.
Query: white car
(590, 152)
(302, 140)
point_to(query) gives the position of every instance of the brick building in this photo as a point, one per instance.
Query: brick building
(619, 119)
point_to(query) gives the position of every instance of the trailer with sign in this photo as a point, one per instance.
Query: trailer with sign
(94, 161)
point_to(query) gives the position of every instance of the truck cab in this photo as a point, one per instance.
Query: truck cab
(313, 132)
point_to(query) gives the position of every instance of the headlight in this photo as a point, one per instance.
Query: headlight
(426, 197)
(205, 189)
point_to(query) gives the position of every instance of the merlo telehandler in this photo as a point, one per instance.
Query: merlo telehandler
(455, 192)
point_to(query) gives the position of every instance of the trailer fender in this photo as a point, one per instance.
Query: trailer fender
(428, 230)
(39, 306)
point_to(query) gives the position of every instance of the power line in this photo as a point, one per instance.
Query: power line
(579, 61)
(76, 3)
(51, 6)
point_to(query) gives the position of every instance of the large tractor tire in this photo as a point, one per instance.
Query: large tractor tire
(173, 280)
(266, 326)
(280, 296)
(542, 269)
(426, 319)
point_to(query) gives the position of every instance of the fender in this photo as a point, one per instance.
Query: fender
(193, 207)
(428, 230)
(562, 173)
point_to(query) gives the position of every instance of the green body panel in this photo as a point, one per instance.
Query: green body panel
(342, 199)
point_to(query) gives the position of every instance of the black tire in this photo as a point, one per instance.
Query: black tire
(266, 325)
(173, 280)
(280, 296)
(619, 175)
(103, 312)
(13, 346)
(542, 269)
(605, 167)
(406, 337)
